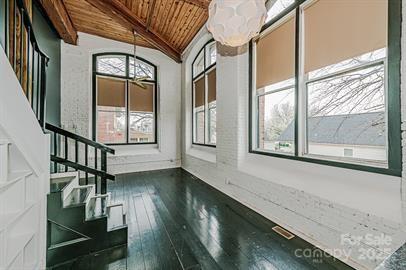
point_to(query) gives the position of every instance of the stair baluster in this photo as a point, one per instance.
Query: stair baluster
(75, 164)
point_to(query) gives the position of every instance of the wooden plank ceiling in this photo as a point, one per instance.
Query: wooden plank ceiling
(167, 25)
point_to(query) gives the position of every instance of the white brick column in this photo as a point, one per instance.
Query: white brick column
(232, 95)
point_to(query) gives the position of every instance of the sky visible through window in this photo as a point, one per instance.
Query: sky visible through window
(277, 7)
(362, 89)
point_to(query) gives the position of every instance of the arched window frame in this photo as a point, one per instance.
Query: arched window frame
(208, 66)
(127, 77)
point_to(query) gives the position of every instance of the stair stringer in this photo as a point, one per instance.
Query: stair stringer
(24, 177)
(75, 217)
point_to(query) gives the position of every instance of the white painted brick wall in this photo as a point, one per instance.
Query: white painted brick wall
(318, 203)
(76, 103)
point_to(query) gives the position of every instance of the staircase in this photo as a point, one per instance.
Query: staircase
(81, 217)
(81, 222)
(47, 220)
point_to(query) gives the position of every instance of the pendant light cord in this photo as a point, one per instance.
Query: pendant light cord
(135, 54)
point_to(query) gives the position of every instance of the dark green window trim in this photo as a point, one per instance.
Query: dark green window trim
(393, 96)
(95, 73)
(194, 77)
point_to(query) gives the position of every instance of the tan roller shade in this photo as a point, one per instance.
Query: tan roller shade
(141, 100)
(275, 55)
(110, 92)
(211, 83)
(199, 92)
(336, 30)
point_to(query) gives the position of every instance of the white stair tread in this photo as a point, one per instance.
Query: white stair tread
(116, 217)
(64, 174)
(97, 207)
(14, 177)
(60, 183)
(79, 195)
(9, 218)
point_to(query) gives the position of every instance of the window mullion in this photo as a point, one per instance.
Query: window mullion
(127, 102)
(127, 74)
(298, 69)
(206, 110)
(302, 105)
(257, 121)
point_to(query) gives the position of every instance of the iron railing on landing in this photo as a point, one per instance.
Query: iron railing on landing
(25, 56)
(30, 64)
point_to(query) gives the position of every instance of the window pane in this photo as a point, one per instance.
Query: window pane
(276, 121)
(275, 88)
(142, 128)
(276, 7)
(111, 124)
(111, 112)
(211, 54)
(348, 111)
(211, 85)
(349, 63)
(212, 122)
(275, 54)
(198, 109)
(199, 96)
(143, 70)
(111, 92)
(335, 31)
(114, 65)
(211, 98)
(199, 126)
(198, 65)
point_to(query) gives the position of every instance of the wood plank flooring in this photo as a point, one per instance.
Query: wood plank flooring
(176, 221)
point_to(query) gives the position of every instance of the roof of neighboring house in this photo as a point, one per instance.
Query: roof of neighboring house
(355, 129)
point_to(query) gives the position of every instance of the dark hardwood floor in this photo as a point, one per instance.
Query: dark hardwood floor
(176, 221)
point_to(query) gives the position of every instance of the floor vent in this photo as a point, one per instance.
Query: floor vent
(288, 235)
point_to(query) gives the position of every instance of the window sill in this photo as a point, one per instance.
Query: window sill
(333, 163)
(205, 153)
(204, 145)
(136, 149)
(339, 185)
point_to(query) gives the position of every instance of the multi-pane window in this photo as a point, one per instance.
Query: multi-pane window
(204, 96)
(320, 82)
(124, 111)
(275, 86)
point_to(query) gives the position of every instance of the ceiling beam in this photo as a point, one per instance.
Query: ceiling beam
(199, 3)
(119, 12)
(59, 17)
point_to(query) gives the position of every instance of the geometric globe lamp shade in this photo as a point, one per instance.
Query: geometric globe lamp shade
(235, 22)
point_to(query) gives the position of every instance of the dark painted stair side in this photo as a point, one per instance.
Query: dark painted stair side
(97, 261)
(70, 232)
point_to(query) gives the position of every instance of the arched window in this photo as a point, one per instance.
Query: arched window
(204, 96)
(124, 112)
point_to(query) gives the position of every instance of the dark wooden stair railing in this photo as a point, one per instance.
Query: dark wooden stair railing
(61, 137)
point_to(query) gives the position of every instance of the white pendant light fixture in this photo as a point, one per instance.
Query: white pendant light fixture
(235, 22)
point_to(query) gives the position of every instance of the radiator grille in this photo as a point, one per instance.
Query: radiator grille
(288, 235)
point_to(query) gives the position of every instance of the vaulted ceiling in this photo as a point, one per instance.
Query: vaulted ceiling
(166, 25)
